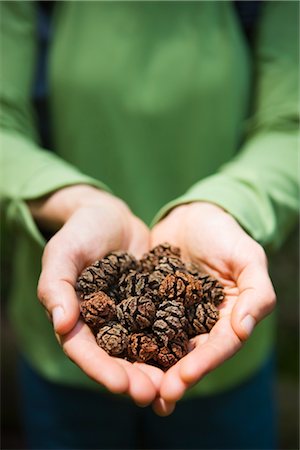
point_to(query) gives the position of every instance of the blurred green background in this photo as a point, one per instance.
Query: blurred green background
(284, 269)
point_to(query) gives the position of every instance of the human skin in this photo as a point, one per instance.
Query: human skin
(87, 224)
(211, 238)
(82, 216)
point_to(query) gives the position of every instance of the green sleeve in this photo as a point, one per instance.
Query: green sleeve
(27, 171)
(259, 187)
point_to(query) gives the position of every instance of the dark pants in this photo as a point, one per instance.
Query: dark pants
(60, 417)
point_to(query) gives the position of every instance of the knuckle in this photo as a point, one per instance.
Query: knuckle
(273, 299)
(42, 292)
(65, 350)
(270, 299)
(45, 293)
(51, 247)
(261, 254)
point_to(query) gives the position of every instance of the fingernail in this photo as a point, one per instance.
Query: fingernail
(248, 324)
(57, 316)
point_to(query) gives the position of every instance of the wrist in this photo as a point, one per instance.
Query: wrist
(53, 210)
(198, 207)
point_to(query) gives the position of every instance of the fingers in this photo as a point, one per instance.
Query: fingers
(163, 408)
(58, 297)
(154, 373)
(221, 345)
(140, 387)
(69, 251)
(79, 345)
(256, 299)
(117, 375)
(56, 291)
(173, 386)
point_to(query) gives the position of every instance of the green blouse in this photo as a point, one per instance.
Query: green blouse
(162, 103)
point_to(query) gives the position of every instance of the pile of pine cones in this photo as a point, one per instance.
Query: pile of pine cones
(147, 310)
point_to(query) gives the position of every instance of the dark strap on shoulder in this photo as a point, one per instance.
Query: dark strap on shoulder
(40, 88)
(248, 13)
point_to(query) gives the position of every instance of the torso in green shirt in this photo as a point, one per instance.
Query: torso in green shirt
(148, 97)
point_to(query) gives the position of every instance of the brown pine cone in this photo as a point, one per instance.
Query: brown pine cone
(179, 345)
(170, 320)
(193, 269)
(133, 284)
(113, 338)
(104, 272)
(136, 313)
(169, 265)
(166, 266)
(165, 358)
(151, 259)
(142, 347)
(201, 318)
(213, 291)
(168, 355)
(181, 286)
(97, 310)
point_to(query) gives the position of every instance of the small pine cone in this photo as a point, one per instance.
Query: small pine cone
(142, 347)
(169, 265)
(136, 313)
(104, 272)
(151, 259)
(170, 320)
(154, 281)
(113, 338)
(167, 356)
(114, 293)
(193, 269)
(166, 266)
(179, 345)
(133, 284)
(97, 310)
(181, 286)
(213, 291)
(201, 318)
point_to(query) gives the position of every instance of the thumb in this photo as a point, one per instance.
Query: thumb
(61, 303)
(56, 287)
(256, 299)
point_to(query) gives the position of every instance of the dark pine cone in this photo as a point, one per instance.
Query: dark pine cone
(213, 291)
(142, 347)
(97, 310)
(165, 358)
(133, 284)
(170, 320)
(179, 345)
(113, 338)
(165, 267)
(193, 269)
(168, 355)
(151, 259)
(103, 273)
(181, 286)
(201, 318)
(136, 313)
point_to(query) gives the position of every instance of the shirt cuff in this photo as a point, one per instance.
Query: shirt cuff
(241, 200)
